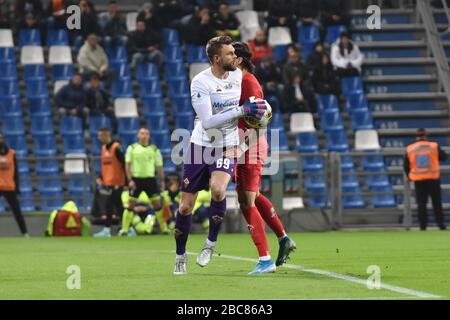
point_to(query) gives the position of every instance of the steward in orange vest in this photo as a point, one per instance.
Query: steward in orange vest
(9, 182)
(421, 165)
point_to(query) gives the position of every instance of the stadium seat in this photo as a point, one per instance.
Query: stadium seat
(150, 89)
(153, 106)
(131, 21)
(308, 35)
(196, 54)
(74, 144)
(333, 32)
(277, 121)
(128, 125)
(356, 101)
(351, 85)
(39, 106)
(307, 142)
(44, 145)
(46, 167)
(71, 126)
(18, 143)
(178, 88)
(117, 54)
(31, 55)
(6, 38)
(29, 37)
(10, 105)
(377, 178)
(352, 198)
(51, 183)
(382, 197)
(170, 37)
(36, 88)
(302, 122)
(169, 167)
(27, 201)
(372, 162)
(78, 183)
(96, 148)
(98, 122)
(125, 108)
(122, 72)
(361, 120)
(279, 36)
(76, 163)
(157, 123)
(127, 139)
(62, 72)
(331, 120)
(9, 71)
(337, 141)
(312, 163)
(122, 89)
(12, 125)
(280, 144)
(9, 88)
(316, 200)
(51, 201)
(349, 179)
(347, 163)
(147, 71)
(173, 53)
(7, 55)
(280, 53)
(174, 70)
(57, 37)
(162, 141)
(367, 140)
(184, 121)
(181, 105)
(314, 182)
(196, 68)
(34, 72)
(327, 102)
(58, 85)
(249, 24)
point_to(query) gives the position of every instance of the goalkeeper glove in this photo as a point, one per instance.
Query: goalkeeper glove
(255, 108)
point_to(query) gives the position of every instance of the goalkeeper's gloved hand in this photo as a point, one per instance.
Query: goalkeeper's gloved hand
(255, 107)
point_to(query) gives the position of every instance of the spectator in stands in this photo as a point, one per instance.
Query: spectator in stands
(298, 97)
(294, 66)
(24, 7)
(70, 99)
(143, 45)
(31, 22)
(9, 182)
(93, 60)
(169, 11)
(269, 75)
(334, 12)
(147, 14)
(56, 13)
(225, 22)
(346, 57)
(281, 14)
(325, 80)
(5, 14)
(307, 10)
(315, 58)
(259, 47)
(89, 23)
(98, 101)
(421, 165)
(199, 28)
(115, 28)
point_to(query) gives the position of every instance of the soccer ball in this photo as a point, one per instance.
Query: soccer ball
(254, 123)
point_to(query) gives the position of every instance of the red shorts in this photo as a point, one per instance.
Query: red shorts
(248, 177)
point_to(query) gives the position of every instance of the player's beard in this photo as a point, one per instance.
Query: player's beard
(229, 67)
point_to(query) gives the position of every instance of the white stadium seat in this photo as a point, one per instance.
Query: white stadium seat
(196, 68)
(6, 38)
(302, 122)
(292, 203)
(367, 140)
(249, 24)
(32, 55)
(59, 84)
(60, 55)
(74, 163)
(131, 21)
(125, 108)
(279, 36)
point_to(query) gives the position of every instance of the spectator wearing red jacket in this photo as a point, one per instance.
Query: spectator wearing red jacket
(259, 47)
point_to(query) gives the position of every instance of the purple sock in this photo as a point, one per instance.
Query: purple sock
(216, 213)
(182, 228)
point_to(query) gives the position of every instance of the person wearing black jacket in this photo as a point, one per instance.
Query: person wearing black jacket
(143, 45)
(200, 28)
(325, 80)
(315, 58)
(225, 22)
(307, 10)
(269, 75)
(298, 97)
(115, 29)
(9, 182)
(281, 14)
(147, 14)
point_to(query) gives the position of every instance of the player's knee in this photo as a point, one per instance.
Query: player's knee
(185, 208)
(218, 194)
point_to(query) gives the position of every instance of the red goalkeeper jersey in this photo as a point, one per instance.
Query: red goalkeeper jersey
(252, 88)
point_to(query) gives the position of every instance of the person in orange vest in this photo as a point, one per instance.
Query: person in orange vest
(9, 182)
(421, 165)
(112, 178)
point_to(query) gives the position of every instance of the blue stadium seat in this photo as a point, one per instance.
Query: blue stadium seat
(173, 53)
(157, 123)
(39, 106)
(337, 141)
(379, 200)
(34, 72)
(7, 55)
(62, 71)
(122, 89)
(127, 139)
(77, 183)
(350, 179)
(42, 125)
(98, 122)
(274, 102)
(117, 54)
(71, 125)
(196, 54)
(47, 167)
(9, 71)
(277, 121)
(281, 144)
(184, 121)
(162, 141)
(181, 104)
(12, 125)
(44, 145)
(174, 70)
(74, 144)
(96, 146)
(316, 200)
(353, 199)
(372, 162)
(153, 106)
(10, 106)
(25, 184)
(308, 35)
(356, 101)
(19, 144)
(333, 33)
(280, 53)
(37, 88)
(347, 163)
(312, 164)
(27, 201)
(57, 37)
(147, 71)
(170, 37)
(50, 183)
(51, 201)
(327, 102)
(351, 85)
(9, 88)
(29, 37)
(314, 182)
(169, 167)
(178, 88)
(377, 178)
(150, 89)
(121, 70)
(361, 120)
(128, 125)
(307, 142)
(331, 120)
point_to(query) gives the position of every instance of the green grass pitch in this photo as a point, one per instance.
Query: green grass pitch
(416, 263)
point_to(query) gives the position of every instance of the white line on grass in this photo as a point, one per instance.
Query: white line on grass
(335, 275)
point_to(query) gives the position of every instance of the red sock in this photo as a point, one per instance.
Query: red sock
(257, 231)
(269, 215)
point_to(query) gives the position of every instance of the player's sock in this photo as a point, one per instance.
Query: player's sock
(269, 215)
(182, 228)
(127, 219)
(216, 214)
(256, 227)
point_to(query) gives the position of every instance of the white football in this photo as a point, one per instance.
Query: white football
(253, 122)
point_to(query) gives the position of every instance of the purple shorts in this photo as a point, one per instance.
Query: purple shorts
(199, 163)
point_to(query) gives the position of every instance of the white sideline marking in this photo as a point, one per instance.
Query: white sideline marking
(335, 275)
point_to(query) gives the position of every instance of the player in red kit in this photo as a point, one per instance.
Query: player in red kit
(255, 207)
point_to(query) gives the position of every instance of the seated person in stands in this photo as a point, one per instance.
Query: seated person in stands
(334, 12)
(298, 97)
(70, 99)
(269, 75)
(56, 14)
(92, 59)
(24, 7)
(147, 14)
(281, 14)
(315, 58)
(199, 28)
(294, 66)
(346, 57)
(143, 45)
(225, 22)
(325, 80)
(115, 28)
(88, 21)
(98, 101)
(5, 14)
(307, 10)
(259, 47)
(169, 11)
